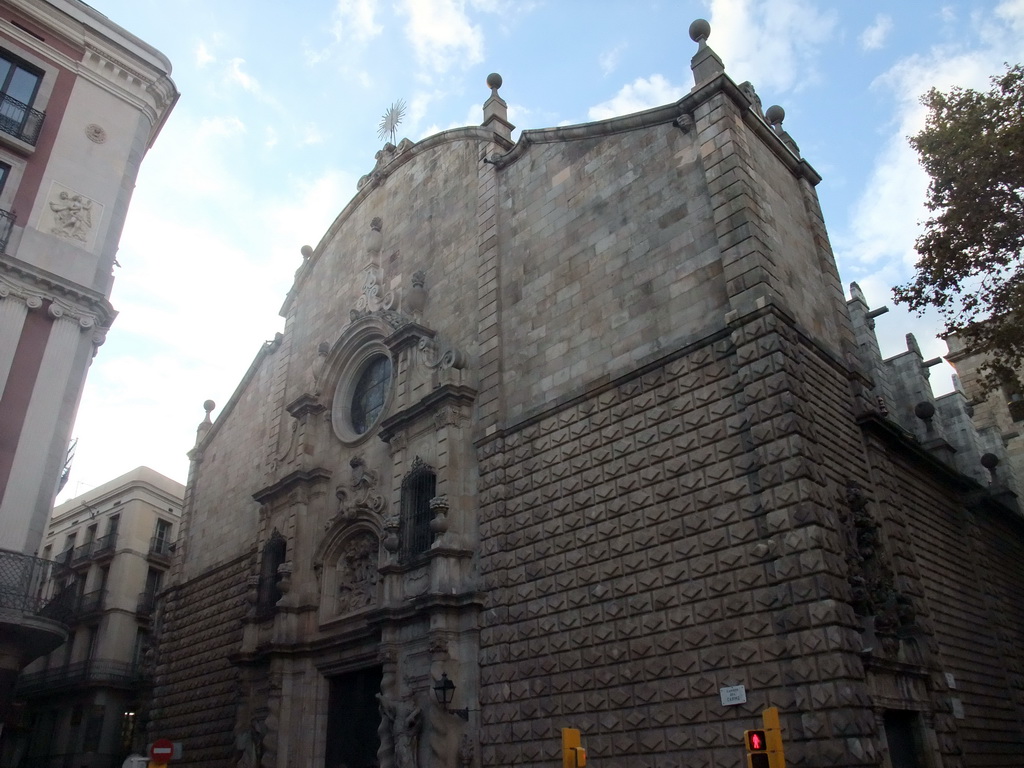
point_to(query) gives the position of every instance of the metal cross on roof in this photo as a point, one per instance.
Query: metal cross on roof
(389, 123)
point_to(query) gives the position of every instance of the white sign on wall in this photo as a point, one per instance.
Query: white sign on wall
(732, 695)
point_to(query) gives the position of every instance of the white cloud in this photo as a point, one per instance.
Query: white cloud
(238, 77)
(874, 37)
(642, 93)
(442, 34)
(221, 126)
(354, 21)
(312, 135)
(773, 43)
(609, 60)
(203, 55)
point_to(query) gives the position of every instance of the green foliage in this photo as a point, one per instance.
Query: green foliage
(970, 265)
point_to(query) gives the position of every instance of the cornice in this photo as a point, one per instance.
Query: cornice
(289, 482)
(454, 394)
(34, 286)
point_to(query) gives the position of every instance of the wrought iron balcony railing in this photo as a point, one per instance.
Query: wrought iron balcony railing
(19, 120)
(160, 546)
(90, 602)
(7, 219)
(82, 552)
(23, 581)
(104, 545)
(94, 672)
(146, 603)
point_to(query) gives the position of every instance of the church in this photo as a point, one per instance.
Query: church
(580, 431)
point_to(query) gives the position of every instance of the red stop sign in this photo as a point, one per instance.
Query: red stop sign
(161, 751)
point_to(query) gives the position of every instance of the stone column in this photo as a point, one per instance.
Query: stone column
(60, 372)
(12, 318)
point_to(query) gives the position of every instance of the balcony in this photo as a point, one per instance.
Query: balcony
(160, 550)
(80, 555)
(103, 547)
(89, 605)
(146, 604)
(7, 219)
(20, 120)
(32, 622)
(91, 673)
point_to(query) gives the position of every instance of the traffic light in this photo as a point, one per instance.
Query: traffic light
(773, 738)
(573, 755)
(757, 748)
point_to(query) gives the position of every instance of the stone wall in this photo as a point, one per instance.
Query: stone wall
(196, 689)
(663, 537)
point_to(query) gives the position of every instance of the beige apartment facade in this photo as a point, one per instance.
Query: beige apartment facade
(81, 101)
(581, 431)
(85, 701)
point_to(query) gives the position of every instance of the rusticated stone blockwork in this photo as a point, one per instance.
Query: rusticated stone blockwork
(196, 691)
(661, 539)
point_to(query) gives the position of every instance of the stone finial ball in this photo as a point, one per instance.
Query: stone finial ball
(775, 115)
(700, 30)
(989, 461)
(494, 81)
(209, 405)
(924, 410)
(306, 251)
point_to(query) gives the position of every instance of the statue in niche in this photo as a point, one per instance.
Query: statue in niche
(249, 745)
(316, 371)
(73, 216)
(404, 720)
(357, 574)
(362, 498)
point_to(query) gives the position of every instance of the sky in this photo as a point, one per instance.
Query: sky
(278, 117)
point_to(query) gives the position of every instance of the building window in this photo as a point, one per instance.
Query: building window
(370, 392)
(269, 590)
(418, 488)
(363, 390)
(19, 84)
(161, 538)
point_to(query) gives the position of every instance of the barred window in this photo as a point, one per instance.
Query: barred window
(418, 488)
(269, 588)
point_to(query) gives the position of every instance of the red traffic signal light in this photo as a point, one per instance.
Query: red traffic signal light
(755, 741)
(757, 749)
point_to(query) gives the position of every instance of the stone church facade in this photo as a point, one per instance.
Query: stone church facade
(584, 426)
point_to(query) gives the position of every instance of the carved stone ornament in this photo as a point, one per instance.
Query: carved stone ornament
(361, 497)
(95, 133)
(384, 158)
(873, 592)
(72, 216)
(433, 355)
(357, 574)
(448, 416)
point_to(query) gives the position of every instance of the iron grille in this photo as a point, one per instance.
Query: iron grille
(23, 580)
(160, 546)
(104, 544)
(91, 672)
(146, 603)
(418, 488)
(19, 120)
(6, 226)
